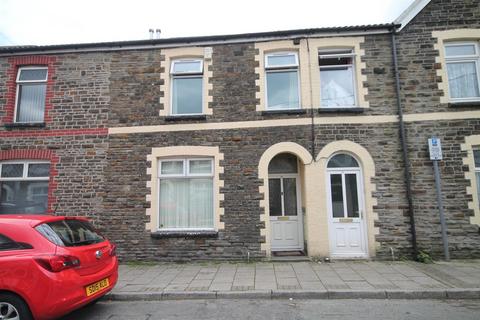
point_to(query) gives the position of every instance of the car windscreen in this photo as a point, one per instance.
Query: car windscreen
(70, 233)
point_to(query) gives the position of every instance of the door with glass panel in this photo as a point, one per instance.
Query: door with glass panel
(286, 227)
(346, 208)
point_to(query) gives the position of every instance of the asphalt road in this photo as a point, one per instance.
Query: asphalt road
(281, 310)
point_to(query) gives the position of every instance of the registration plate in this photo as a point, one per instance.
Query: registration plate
(97, 286)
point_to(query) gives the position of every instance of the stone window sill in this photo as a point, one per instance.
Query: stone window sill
(25, 125)
(289, 111)
(464, 104)
(189, 117)
(184, 234)
(341, 110)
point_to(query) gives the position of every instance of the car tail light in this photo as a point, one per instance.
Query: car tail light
(58, 263)
(113, 250)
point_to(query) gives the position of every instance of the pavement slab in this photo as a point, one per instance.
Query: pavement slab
(337, 279)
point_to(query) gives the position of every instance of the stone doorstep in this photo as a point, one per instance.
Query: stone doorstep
(298, 294)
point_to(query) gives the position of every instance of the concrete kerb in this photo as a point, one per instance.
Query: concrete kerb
(298, 294)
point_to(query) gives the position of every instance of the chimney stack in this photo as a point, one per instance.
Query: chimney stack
(150, 31)
(157, 33)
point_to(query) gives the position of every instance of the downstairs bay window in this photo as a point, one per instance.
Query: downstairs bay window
(186, 194)
(24, 187)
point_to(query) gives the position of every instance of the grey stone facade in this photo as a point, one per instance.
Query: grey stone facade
(105, 176)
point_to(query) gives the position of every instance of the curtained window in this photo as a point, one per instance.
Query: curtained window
(282, 83)
(187, 86)
(463, 62)
(186, 194)
(337, 80)
(31, 90)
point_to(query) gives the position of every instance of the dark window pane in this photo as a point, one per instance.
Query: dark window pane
(351, 195)
(342, 161)
(335, 61)
(31, 102)
(275, 197)
(33, 75)
(38, 170)
(23, 197)
(337, 195)
(70, 233)
(7, 243)
(187, 95)
(290, 196)
(12, 170)
(282, 90)
(283, 163)
(476, 155)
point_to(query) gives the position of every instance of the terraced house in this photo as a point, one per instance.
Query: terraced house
(223, 147)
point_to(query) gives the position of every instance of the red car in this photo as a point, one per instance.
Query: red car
(50, 266)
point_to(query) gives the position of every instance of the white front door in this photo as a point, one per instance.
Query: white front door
(286, 227)
(346, 214)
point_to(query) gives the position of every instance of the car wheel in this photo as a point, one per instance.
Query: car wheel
(13, 308)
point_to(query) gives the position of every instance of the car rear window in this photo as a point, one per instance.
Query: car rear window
(70, 233)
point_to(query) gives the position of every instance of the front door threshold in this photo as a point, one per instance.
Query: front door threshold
(290, 255)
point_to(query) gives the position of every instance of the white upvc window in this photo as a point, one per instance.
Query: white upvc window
(31, 93)
(337, 78)
(24, 187)
(463, 70)
(282, 81)
(476, 156)
(186, 194)
(187, 87)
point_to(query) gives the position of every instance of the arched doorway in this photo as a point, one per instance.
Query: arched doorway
(346, 209)
(285, 207)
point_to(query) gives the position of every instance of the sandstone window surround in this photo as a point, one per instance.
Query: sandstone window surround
(176, 162)
(24, 186)
(309, 68)
(175, 61)
(458, 65)
(472, 161)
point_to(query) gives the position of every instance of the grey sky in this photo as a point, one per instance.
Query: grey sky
(65, 21)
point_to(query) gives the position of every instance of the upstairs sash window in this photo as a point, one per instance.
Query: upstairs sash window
(187, 87)
(31, 92)
(463, 71)
(337, 78)
(282, 81)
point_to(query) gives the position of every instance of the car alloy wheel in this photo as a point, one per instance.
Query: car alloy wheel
(8, 312)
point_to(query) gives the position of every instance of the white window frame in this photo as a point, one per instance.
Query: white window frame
(329, 53)
(20, 82)
(24, 176)
(186, 75)
(477, 170)
(186, 175)
(283, 68)
(460, 59)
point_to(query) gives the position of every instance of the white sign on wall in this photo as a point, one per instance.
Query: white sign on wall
(435, 148)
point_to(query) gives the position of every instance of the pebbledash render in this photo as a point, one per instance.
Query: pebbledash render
(254, 145)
